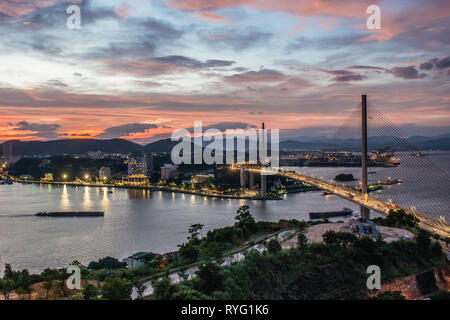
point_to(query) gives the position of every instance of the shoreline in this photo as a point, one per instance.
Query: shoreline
(150, 188)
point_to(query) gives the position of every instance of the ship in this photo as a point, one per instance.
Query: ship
(330, 214)
(71, 214)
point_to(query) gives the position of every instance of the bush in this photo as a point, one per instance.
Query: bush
(117, 289)
(440, 295)
(389, 295)
(107, 263)
(273, 246)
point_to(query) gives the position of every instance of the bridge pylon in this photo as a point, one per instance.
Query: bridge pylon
(365, 212)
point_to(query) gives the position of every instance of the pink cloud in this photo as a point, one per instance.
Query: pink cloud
(122, 11)
(210, 16)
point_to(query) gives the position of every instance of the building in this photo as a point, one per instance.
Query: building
(138, 259)
(138, 164)
(7, 152)
(104, 173)
(169, 171)
(47, 177)
(199, 178)
(150, 166)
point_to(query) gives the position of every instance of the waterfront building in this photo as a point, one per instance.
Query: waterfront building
(169, 171)
(140, 164)
(137, 164)
(199, 178)
(104, 173)
(47, 177)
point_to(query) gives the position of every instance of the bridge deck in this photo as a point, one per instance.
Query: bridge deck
(427, 223)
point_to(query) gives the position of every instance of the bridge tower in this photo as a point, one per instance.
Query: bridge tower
(365, 212)
(263, 162)
(242, 176)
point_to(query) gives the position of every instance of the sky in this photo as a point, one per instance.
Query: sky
(141, 69)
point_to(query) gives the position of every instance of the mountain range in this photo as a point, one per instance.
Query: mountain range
(83, 146)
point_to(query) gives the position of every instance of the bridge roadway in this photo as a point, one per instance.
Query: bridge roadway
(432, 225)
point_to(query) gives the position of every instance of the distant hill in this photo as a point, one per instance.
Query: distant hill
(165, 145)
(82, 146)
(71, 146)
(441, 142)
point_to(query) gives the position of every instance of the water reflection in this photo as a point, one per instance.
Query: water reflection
(138, 194)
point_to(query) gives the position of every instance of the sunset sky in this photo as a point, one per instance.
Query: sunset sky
(141, 69)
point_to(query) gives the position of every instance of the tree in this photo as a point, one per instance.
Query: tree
(89, 291)
(194, 231)
(423, 241)
(340, 239)
(245, 221)
(140, 286)
(301, 241)
(26, 282)
(187, 295)
(440, 295)
(48, 285)
(189, 252)
(117, 289)
(273, 246)
(209, 277)
(6, 286)
(164, 289)
(389, 295)
(9, 273)
(108, 263)
(183, 274)
(399, 218)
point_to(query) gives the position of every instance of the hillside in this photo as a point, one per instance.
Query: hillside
(71, 146)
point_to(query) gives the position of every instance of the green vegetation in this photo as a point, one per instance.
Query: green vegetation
(389, 295)
(331, 270)
(440, 295)
(117, 289)
(399, 219)
(108, 263)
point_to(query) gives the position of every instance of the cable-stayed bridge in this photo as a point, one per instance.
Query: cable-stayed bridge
(424, 190)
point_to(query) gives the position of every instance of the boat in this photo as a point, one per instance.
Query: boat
(330, 214)
(326, 193)
(71, 214)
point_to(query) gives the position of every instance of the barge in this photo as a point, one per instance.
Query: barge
(71, 214)
(330, 214)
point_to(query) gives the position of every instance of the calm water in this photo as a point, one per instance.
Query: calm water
(135, 220)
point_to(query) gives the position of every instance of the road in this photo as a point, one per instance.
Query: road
(257, 244)
(432, 225)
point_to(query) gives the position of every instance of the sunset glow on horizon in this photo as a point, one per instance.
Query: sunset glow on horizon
(138, 70)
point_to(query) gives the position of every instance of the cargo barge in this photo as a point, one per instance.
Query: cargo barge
(71, 214)
(330, 214)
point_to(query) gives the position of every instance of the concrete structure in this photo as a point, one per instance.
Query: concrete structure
(251, 180)
(104, 173)
(365, 212)
(169, 171)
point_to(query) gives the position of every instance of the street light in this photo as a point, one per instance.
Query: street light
(86, 176)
